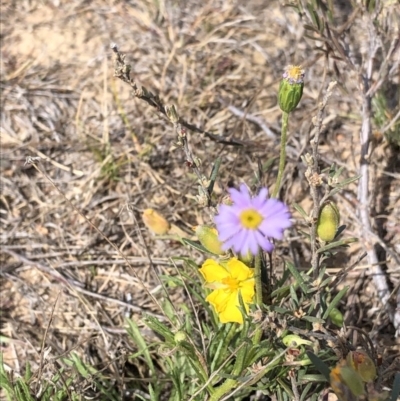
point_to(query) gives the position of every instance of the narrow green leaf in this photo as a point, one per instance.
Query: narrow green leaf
(159, 328)
(214, 174)
(336, 244)
(301, 211)
(293, 296)
(299, 279)
(335, 301)
(305, 391)
(134, 331)
(320, 365)
(313, 378)
(28, 372)
(313, 319)
(396, 388)
(195, 245)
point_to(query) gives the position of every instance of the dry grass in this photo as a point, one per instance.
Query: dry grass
(104, 149)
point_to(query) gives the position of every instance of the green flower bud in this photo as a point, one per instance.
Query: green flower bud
(208, 237)
(180, 336)
(247, 259)
(291, 88)
(328, 221)
(363, 364)
(336, 317)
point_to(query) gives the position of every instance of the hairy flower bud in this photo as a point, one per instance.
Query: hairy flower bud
(180, 336)
(208, 237)
(155, 222)
(328, 221)
(291, 88)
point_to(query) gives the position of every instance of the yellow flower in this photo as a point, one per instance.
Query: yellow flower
(228, 279)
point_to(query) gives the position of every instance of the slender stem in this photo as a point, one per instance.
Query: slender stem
(282, 158)
(257, 277)
(259, 297)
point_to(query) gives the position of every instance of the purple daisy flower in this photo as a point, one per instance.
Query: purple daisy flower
(249, 223)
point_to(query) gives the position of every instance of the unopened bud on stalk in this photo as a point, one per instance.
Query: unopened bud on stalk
(291, 88)
(208, 237)
(155, 222)
(328, 221)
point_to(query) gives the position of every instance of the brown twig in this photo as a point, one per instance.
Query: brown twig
(365, 80)
(122, 71)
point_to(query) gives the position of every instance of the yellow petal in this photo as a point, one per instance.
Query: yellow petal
(239, 270)
(247, 291)
(226, 305)
(212, 271)
(232, 313)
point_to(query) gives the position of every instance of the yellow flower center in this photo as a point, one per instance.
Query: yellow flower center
(251, 219)
(232, 283)
(295, 72)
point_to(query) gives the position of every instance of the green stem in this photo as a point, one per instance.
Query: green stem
(282, 158)
(227, 385)
(226, 341)
(259, 297)
(230, 384)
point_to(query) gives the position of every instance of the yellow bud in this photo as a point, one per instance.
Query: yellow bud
(155, 222)
(328, 221)
(208, 237)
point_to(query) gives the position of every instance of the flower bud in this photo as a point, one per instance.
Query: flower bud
(363, 364)
(180, 336)
(328, 221)
(208, 237)
(247, 259)
(155, 222)
(336, 317)
(291, 88)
